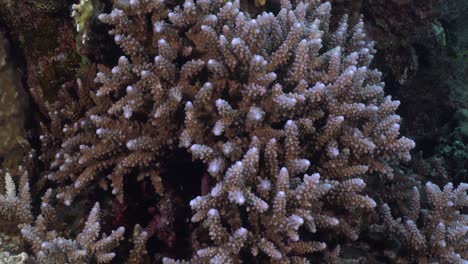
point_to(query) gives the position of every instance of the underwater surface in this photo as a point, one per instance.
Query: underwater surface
(246, 131)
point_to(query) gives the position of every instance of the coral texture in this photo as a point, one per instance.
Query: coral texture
(265, 100)
(435, 230)
(41, 234)
(284, 111)
(48, 246)
(236, 78)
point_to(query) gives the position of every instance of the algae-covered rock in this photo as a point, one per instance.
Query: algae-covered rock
(12, 109)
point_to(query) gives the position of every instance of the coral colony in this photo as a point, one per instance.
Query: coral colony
(285, 113)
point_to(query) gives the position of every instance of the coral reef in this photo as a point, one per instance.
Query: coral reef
(41, 232)
(440, 236)
(281, 118)
(245, 86)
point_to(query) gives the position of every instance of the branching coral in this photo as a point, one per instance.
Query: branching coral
(247, 85)
(435, 232)
(51, 248)
(284, 111)
(276, 208)
(236, 78)
(42, 233)
(84, 142)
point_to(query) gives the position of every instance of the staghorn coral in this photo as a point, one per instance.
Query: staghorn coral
(82, 142)
(276, 208)
(246, 85)
(244, 59)
(43, 236)
(283, 110)
(434, 229)
(52, 248)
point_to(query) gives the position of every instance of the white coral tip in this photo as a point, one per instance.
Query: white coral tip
(117, 38)
(220, 102)
(235, 41)
(213, 212)
(241, 231)
(122, 60)
(208, 85)
(334, 221)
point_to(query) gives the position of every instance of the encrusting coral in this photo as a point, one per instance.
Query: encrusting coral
(284, 110)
